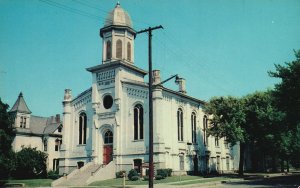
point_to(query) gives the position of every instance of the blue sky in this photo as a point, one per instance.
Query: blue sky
(219, 47)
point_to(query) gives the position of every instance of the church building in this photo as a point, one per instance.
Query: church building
(105, 128)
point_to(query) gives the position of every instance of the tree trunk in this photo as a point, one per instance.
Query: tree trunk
(274, 167)
(242, 158)
(287, 166)
(282, 165)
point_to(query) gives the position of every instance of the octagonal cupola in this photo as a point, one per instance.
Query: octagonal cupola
(118, 37)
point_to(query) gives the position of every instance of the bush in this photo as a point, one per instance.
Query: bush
(30, 163)
(132, 173)
(135, 178)
(159, 177)
(53, 175)
(120, 174)
(146, 178)
(162, 172)
(169, 171)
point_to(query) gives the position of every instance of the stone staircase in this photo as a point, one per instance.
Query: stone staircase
(78, 177)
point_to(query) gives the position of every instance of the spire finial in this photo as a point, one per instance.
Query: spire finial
(21, 94)
(118, 4)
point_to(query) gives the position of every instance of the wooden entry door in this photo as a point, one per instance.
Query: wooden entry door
(107, 154)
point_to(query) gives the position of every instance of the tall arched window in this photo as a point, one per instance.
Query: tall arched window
(205, 127)
(180, 124)
(193, 123)
(128, 51)
(138, 122)
(108, 137)
(119, 49)
(82, 128)
(108, 49)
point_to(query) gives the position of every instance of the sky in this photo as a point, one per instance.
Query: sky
(221, 47)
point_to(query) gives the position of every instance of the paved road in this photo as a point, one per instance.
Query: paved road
(292, 180)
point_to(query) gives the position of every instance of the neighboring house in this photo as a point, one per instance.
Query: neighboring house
(43, 133)
(109, 121)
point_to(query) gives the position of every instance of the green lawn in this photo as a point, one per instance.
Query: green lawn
(119, 181)
(30, 182)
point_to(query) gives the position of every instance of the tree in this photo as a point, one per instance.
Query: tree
(7, 162)
(228, 120)
(287, 100)
(287, 91)
(30, 163)
(264, 127)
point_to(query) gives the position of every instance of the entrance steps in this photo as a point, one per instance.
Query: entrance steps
(89, 173)
(78, 176)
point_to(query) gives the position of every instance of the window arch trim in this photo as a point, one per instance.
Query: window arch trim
(82, 127)
(180, 123)
(138, 113)
(119, 49)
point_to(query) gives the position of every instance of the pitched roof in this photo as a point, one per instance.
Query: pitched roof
(20, 105)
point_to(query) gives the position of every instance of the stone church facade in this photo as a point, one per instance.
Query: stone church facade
(107, 124)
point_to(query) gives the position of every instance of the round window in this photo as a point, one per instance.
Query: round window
(107, 101)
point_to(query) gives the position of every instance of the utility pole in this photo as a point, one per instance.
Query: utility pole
(151, 167)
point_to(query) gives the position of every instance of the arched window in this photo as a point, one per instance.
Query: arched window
(180, 124)
(138, 122)
(108, 137)
(119, 49)
(128, 51)
(193, 123)
(82, 128)
(205, 127)
(108, 49)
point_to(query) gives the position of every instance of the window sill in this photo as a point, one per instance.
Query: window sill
(80, 145)
(138, 140)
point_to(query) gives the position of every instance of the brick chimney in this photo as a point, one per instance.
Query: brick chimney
(57, 118)
(181, 83)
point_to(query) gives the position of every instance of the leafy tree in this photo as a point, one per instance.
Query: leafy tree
(7, 162)
(264, 126)
(30, 163)
(287, 91)
(228, 120)
(287, 95)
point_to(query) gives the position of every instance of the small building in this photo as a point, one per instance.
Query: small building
(42, 133)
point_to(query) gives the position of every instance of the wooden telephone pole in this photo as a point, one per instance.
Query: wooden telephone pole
(151, 167)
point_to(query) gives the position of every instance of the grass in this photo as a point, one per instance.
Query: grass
(119, 181)
(30, 182)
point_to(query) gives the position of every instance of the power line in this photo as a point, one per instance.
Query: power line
(70, 9)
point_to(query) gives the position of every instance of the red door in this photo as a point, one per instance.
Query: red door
(107, 154)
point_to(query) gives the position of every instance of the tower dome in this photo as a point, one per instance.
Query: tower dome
(118, 16)
(118, 37)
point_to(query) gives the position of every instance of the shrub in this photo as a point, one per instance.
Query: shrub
(159, 177)
(162, 172)
(132, 173)
(53, 175)
(120, 174)
(146, 178)
(169, 171)
(30, 163)
(135, 178)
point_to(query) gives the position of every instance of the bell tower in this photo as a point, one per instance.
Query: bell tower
(118, 37)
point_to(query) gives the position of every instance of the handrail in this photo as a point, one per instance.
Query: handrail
(100, 166)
